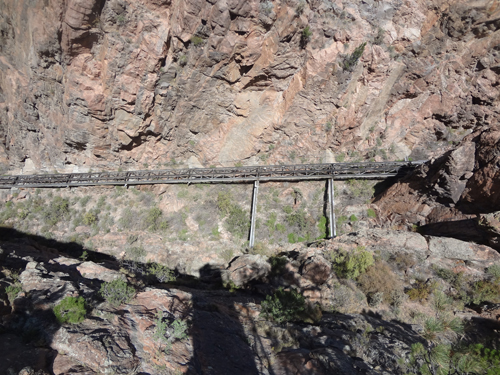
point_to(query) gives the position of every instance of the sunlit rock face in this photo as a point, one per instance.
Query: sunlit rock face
(133, 84)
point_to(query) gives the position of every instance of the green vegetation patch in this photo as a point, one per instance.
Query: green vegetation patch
(283, 305)
(71, 310)
(117, 292)
(351, 264)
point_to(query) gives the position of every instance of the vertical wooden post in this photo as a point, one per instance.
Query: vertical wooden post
(331, 199)
(254, 213)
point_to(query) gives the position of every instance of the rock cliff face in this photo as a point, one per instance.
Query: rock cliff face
(104, 84)
(455, 195)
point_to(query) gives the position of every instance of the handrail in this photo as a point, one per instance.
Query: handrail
(366, 170)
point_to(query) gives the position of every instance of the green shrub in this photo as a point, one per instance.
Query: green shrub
(197, 41)
(117, 292)
(56, 211)
(350, 61)
(322, 227)
(136, 253)
(70, 310)
(280, 228)
(152, 220)
(238, 222)
(349, 265)
(90, 218)
(494, 271)
(271, 222)
(485, 290)
(167, 333)
(278, 264)
(340, 157)
(283, 306)
(84, 201)
(421, 291)
(224, 202)
(371, 213)
(162, 273)
(297, 218)
(305, 37)
(13, 290)
(446, 359)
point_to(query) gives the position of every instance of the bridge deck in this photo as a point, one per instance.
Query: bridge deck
(337, 171)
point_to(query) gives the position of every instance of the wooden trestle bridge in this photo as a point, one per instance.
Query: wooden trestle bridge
(256, 174)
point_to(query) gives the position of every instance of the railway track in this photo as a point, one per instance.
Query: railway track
(336, 171)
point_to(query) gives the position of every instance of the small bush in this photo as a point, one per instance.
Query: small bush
(117, 292)
(266, 7)
(485, 291)
(224, 202)
(421, 291)
(305, 37)
(183, 60)
(89, 219)
(136, 253)
(167, 333)
(297, 218)
(283, 306)
(371, 213)
(360, 188)
(404, 260)
(12, 291)
(152, 220)
(70, 310)
(162, 273)
(440, 301)
(238, 222)
(397, 298)
(278, 264)
(197, 41)
(375, 299)
(350, 61)
(446, 359)
(347, 299)
(349, 265)
(56, 211)
(494, 271)
(322, 227)
(378, 278)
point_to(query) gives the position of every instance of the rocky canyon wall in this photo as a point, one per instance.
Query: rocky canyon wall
(133, 84)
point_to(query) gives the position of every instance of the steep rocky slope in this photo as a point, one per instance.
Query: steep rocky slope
(343, 331)
(109, 84)
(455, 195)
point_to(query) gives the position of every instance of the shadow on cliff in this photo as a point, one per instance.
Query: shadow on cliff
(219, 341)
(30, 326)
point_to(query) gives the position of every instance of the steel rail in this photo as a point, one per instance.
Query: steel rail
(337, 171)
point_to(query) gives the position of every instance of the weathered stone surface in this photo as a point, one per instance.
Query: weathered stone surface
(128, 83)
(101, 347)
(246, 268)
(91, 270)
(446, 194)
(451, 248)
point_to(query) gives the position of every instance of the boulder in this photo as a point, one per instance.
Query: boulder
(246, 268)
(91, 270)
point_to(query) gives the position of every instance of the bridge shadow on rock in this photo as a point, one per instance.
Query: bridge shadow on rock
(219, 341)
(27, 329)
